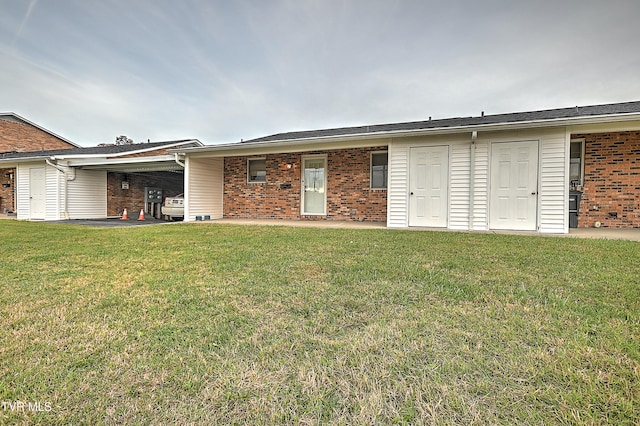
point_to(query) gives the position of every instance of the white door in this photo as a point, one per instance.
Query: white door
(514, 186)
(428, 186)
(314, 184)
(37, 193)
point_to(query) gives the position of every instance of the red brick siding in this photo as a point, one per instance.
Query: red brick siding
(25, 137)
(163, 151)
(22, 137)
(611, 180)
(133, 198)
(348, 188)
(6, 190)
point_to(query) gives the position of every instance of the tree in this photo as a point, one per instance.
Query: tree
(123, 140)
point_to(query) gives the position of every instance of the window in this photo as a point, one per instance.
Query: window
(576, 163)
(256, 170)
(379, 168)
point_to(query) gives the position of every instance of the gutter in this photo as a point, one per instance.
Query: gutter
(66, 187)
(176, 158)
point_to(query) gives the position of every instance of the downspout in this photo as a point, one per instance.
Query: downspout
(176, 158)
(472, 167)
(66, 179)
(184, 185)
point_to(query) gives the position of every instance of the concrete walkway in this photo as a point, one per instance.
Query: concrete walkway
(596, 233)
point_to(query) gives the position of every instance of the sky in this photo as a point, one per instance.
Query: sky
(223, 71)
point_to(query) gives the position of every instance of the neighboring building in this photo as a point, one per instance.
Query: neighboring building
(492, 172)
(94, 182)
(18, 134)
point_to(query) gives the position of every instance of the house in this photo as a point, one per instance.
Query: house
(512, 171)
(17, 134)
(95, 182)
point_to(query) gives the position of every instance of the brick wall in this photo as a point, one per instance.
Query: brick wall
(611, 192)
(6, 190)
(25, 137)
(22, 137)
(349, 197)
(133, 198)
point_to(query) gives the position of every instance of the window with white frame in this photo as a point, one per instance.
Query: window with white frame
(256, 170)
(576, 163)
(379, 169)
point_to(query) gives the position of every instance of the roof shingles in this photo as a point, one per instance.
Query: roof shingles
(551, 114)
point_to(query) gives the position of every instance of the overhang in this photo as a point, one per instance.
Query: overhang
(159, 163)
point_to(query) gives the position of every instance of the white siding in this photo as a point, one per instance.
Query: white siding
(397, 201)
(481, 187)
(22, 192)
(54, 193)
(87, 194)
(204, 186)
(552, 186)
(459, 184)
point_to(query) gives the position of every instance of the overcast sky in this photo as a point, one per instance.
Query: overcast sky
(221, 71)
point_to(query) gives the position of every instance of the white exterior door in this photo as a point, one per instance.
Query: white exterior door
(314, 185)
(514, 186)
(37, 193)
(428, 186)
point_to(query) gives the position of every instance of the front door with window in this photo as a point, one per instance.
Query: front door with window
(429, 186)
(514, 186)
(314, 185)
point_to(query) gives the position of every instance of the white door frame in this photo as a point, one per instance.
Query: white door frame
(528, 193)
(443, 219)
(303, 160)
(37, 193)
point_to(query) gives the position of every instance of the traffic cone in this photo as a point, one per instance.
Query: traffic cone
(125, 215)
(141, 217)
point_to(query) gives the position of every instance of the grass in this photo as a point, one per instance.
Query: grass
(211, 324)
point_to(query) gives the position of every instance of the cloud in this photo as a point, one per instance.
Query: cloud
(222, 71)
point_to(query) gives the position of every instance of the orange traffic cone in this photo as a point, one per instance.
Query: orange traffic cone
(125, 215)
(141, 217)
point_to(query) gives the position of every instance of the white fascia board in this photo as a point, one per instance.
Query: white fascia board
(118, 161)
(122, 154)
(367, 139)
(294, 145)
(12, 162)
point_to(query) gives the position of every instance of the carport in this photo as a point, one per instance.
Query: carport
(96, 182)
(138, 183)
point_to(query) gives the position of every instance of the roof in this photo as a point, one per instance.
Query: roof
(363, 135)
(550, 114)
(13, 117)
(103, 150)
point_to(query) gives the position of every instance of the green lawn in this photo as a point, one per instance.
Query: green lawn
(210, 324)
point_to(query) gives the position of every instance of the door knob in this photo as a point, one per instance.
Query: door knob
(411, 193)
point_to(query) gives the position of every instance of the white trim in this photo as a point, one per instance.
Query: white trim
(125, 153)
(582, 143)
(371, 187)
(249, 181)
(303, 158)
